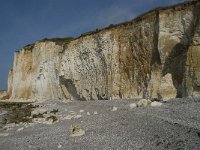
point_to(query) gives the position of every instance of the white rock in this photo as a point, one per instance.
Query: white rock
(156, 104)
(81, 111)
(114, 109)
(95, 113)
(4, 134)
(49, 122)
(133, 105)
(59, 146)
(39, 120)
(39, 110)
(77, 131)
(72, 112)
(77, 116)
(20, 129)
(10, 125)
(68, 117)
(88, 113)
(143, 103)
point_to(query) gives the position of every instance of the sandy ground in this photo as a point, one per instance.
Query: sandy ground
(109, 125)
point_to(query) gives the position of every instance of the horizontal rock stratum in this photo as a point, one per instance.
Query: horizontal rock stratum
(156, 55)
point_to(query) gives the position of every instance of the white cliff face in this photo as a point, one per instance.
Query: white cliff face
(22, 74)
(111, 64)
(86, 67)
(178, 29)
(3, 95)
(35, 72)
(10, 84)
(45, 81)
(166, 89)
(146, 57)
(174, 30)
(192, 69)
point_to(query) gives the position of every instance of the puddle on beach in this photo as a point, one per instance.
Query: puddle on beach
(15, 112)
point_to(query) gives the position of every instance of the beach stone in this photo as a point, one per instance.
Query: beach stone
(20, 129)
(81, 111)
(4, 134)
(156, 104)
(133, 105)
(143, 103)
(76, 131)
(59, 146)
(114, 109)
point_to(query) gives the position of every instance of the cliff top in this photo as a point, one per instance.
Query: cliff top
(141, 17)
(58, 40)
(178, 6)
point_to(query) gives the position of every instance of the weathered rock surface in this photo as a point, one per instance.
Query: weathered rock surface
(3, 94)
(156, 104)
(133, 105)
(156, 54)
(167, 89)
(143, 103)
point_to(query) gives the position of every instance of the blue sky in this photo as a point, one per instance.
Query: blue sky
(26, 21)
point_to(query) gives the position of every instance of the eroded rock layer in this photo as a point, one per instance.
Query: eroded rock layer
(154, 55)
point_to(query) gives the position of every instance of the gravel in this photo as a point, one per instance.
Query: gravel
(175, 125)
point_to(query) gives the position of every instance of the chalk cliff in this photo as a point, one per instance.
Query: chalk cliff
(154, 55)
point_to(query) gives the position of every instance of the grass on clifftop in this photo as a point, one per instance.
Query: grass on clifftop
(58, 41)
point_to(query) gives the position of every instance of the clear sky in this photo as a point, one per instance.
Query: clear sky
(26, 21)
